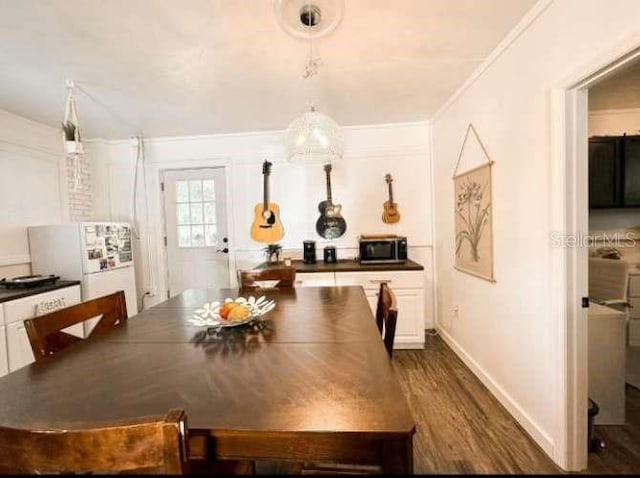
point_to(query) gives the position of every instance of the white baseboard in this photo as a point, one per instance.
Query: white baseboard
(538, 435)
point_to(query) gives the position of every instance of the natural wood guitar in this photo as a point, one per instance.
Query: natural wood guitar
(266, 225)
(330, 224)
(391, 215)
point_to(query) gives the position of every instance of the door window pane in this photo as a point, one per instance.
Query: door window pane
(196, 213)
(195, 190)
(209, 213)
(183, 213)
(208, 190)
(197, 236)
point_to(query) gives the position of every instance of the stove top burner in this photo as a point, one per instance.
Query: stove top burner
(29, 281)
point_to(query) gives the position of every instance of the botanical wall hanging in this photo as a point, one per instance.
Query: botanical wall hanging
(473, 209)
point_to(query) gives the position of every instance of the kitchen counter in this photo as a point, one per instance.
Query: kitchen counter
(13, 294)
(346, 265)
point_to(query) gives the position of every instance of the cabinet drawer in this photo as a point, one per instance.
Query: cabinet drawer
(634, 286)
(21, 309)
(315, 279)
(372, 280)
(634, 311)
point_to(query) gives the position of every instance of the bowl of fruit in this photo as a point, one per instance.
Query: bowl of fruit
(232, 312)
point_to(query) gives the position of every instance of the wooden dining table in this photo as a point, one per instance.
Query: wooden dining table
(312, 382)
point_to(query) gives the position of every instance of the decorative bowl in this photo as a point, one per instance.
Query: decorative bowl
(209, 314)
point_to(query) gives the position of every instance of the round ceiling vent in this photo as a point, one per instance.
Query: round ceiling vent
(305, 18)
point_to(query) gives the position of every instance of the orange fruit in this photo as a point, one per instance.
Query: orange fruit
(238, 313)
(226, 308)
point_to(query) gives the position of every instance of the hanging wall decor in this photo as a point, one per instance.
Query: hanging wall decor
(473, 209)
(71, 135)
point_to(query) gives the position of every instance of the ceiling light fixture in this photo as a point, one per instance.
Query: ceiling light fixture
(313, 137)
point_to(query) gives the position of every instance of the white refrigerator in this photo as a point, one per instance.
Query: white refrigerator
(98, 254)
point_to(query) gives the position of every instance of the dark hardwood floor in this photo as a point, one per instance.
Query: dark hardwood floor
(462, 428)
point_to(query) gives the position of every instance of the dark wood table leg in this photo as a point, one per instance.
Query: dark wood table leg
(397, 456)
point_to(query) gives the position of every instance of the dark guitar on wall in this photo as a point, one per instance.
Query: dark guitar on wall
(266, 226)
(391, 215)
(330, 224)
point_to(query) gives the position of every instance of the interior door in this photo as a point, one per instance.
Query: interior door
(196, 229)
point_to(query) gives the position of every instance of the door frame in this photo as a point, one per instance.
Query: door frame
(569, 265)
(157, 227)
(164, 218)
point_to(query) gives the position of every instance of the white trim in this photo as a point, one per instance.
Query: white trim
(535, 431)
(569, 269)
(433, 273)
(530, 17)
(14, 260)
(270, 132)
(34, 152)
(619, 111)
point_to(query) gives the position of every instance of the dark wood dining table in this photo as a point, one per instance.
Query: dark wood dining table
(312, 383)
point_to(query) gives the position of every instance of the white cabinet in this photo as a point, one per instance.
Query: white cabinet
(17, 349)
(4, 361)
(408, 287)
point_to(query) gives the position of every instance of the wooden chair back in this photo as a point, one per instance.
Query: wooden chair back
(387, 316)
(285, 277)
(153, 445)
(46, 334)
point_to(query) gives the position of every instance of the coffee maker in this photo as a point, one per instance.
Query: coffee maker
(309, 251)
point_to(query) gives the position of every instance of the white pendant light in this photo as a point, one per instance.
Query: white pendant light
(314, 137)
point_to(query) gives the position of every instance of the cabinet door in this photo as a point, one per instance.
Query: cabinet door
(4, 361)
(18, 347)
(604, 172)
(631, 155)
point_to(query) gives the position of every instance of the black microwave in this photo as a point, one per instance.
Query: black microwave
(383, 249)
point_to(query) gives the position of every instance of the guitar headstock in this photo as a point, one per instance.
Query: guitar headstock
(266, 167)
(327, 168)
(388, 178)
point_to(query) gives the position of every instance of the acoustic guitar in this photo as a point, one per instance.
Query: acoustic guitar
(391, 215)
(266, 225)
(330, 224)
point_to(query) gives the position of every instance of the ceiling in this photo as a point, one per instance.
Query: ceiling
(621, 90)
(192, 67)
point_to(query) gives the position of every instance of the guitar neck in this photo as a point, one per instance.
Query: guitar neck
(265, 187)
(328, 171)
(390, 193)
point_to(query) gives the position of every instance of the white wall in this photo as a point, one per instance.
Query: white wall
(358, 184)
(508, 332)
(32, 186)
(614, 122)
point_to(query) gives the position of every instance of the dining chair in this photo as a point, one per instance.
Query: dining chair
(46, 334)
(280, 278)
(387, 316)
(156, 445)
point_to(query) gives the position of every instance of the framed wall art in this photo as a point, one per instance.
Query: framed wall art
(473, 209)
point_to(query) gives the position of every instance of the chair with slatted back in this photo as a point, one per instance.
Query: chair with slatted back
(157, 445)
(46, 333)
(280, 278)
(387, 316)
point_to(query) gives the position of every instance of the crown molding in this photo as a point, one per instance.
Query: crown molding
(616, 111)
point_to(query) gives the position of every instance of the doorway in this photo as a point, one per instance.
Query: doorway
(570, 190)
(196, 229)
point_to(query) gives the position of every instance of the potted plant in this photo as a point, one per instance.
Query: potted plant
(71, 137)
